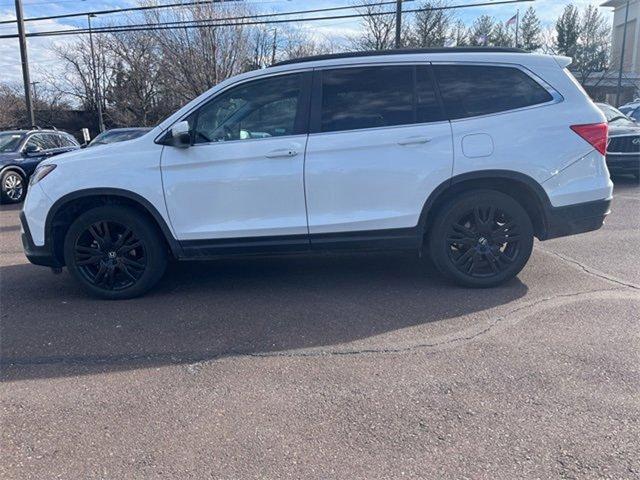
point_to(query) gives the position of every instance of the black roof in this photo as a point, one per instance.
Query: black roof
(401, 51)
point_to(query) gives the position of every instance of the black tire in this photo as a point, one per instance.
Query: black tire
(13, 187)
(115, 252)
(481, 239)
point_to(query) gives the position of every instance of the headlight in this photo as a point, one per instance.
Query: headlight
(41, 172)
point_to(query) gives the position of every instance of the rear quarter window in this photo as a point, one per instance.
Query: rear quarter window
(473, 90)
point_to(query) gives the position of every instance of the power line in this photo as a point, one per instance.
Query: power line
(220, 22)
(121, 10)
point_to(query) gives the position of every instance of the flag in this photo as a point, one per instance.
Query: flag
(512, 20)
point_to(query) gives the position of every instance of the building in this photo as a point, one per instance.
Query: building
(606, 86)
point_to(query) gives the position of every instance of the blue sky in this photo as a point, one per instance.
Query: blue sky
(43, 59)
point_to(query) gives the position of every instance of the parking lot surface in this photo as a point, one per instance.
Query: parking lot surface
(329, 367)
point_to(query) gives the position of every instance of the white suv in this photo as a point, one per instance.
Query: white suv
(466, 154)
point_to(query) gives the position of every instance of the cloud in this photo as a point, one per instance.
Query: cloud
(41, 56)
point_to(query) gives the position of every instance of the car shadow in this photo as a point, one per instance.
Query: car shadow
(207, 310)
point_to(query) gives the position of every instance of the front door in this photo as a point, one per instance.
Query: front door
(243, 174)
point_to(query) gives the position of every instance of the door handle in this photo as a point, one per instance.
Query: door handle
(283, 152)
(413, 140)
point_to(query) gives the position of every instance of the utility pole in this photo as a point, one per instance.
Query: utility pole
(95, 77)
(624, 41)
(275, 43)
(25, 62)
(398, 23)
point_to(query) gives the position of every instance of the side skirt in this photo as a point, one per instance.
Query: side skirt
(372, 240)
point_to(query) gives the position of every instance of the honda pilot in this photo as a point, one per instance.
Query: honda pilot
(464, 155)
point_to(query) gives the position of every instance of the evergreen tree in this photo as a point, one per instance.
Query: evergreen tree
(530, 30)
(481, 31)
(501, 36)
(431, 26)
(568, 31)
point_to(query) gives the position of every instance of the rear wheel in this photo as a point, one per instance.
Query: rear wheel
(481, 239)
(114, 252)
(13, 187)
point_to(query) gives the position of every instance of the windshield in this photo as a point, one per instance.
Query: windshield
(611, 113)
(117, 136)
(9, 142)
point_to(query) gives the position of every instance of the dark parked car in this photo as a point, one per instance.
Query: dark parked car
(20, 153)
(623, 149)
(632, 110)
(118, 135)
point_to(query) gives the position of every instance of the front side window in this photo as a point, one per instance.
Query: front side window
(38, 141)
(9, 142)
(472, 90)
(258, 109)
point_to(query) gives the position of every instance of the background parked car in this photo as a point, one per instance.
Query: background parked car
(623, 149)
(20, 153)
(118, 135)
(632, 110)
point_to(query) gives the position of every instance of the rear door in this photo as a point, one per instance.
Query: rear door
(378, 147)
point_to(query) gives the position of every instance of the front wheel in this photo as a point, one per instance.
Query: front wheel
(481, 239)
(114, 252)
(13, 187)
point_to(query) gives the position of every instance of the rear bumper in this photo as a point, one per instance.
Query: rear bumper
(621, 164)
(574, 219)
(36, 255)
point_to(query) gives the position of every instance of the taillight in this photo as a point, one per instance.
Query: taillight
(594, 133)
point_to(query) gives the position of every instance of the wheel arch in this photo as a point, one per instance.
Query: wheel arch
(14, 168)
(524, 189)
(67, 208)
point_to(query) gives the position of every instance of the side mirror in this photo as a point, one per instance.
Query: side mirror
(181, 135)
(32, 150)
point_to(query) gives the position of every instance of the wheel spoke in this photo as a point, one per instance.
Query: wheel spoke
(89, 261)
(126, 271)
(81, 249)
(132, 263)
(122, 239)
(130, 246)
(95, 234)
(462, 259)
(100, 275)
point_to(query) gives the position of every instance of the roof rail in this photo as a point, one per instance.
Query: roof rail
(400, 51)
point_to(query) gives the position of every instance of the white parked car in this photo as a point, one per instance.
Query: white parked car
(465, 154)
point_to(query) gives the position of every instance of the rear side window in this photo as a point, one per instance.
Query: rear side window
(369, 97)
(472, 90)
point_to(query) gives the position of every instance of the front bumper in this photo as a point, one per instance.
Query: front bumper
(574, 219)
(35, 254)
(623, 164)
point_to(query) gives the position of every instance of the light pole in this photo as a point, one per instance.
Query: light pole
(25, 62)
(624, 40)
(95, 77)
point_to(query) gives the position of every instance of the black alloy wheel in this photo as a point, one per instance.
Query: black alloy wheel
(110, 256)
(481, 239)
(115, 252)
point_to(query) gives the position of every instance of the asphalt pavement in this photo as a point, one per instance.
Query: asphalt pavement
(323, 367)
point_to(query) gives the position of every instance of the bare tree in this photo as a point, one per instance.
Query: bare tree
(378, 28)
